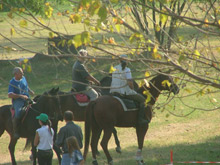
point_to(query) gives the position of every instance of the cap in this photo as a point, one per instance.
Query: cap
(83, 52)
(43, 117)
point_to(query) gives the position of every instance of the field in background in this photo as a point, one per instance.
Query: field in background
(194, 137)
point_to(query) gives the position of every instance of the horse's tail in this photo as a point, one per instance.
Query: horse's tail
(88, 123)
(27, 144)
(2, 125)
(5, 115)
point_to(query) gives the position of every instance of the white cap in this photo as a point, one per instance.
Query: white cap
(83, 52)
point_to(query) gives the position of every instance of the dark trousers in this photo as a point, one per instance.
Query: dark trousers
(45, 157)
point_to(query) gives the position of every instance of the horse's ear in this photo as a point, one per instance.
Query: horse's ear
(51, 91)
(56, 90)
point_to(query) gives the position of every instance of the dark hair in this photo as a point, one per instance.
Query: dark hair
(48, 122)
(123, 64)
(72, 144)
(68, 115)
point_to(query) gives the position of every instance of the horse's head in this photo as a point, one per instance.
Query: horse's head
(48, 103)
(164, 82)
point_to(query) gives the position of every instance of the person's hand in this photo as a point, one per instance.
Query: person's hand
(24, 97)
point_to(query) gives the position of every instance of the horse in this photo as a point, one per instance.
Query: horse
(68, 102)
(107, 112)
(29, 125)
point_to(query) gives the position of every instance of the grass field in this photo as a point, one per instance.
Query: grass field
(195, 137)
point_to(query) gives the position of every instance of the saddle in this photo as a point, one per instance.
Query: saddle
(128, 104)
(81, 98)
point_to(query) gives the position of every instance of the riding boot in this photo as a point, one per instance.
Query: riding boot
(16, 123)
(141, 115)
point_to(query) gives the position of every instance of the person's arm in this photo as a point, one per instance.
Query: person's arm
(93, 79)
(16, 96)
(60, 138)
(30, 91)
(130, 83)
(36, 139)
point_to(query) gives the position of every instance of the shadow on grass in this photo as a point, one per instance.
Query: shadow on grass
(155, 154)
(158, 155)
(28, 162)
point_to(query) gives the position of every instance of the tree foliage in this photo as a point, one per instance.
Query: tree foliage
(180, 37)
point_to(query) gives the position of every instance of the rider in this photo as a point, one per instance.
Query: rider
(18, 91)
(81, 77)
(122, 83)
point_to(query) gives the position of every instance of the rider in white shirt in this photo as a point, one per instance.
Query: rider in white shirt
(122, 83)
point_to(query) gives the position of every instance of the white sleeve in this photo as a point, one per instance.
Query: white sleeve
(128, 74)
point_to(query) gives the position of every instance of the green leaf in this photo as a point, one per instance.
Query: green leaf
(85, 37)
(87, 21)
(196, 52)
(102, 13)
(23, 23)
(51, 34)
(117, 26)
(163, 18)
(12, 31)
(114, 1)
(77, 40)
(29, 68)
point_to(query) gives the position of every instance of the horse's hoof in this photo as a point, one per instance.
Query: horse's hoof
(110, 162)
(94, 162)
(97, 153)
(118, 150)
(31, 157)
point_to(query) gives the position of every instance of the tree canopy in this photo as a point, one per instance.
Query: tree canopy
(178, 37)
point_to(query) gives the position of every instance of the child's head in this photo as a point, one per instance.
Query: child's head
(72, 144)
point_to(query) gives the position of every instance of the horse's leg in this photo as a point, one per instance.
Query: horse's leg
(11, 148)
(58, 152)
(34, 153)
(141, 132)
(2, 129)
(96, 132)
(104, 143)
(118, 148)
(98, 136)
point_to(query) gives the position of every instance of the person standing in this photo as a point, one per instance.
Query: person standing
(18, 91)
(81, 77)
(122, 83)
(44, 140)
(75, 154)
(70, 129)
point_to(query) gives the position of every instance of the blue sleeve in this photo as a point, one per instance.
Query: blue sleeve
(11, 87)
(79, 156)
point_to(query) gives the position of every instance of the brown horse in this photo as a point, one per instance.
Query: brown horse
(67, 101)
(107, 112)
(45, 104)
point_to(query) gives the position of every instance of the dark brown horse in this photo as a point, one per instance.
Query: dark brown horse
(67, 101)
(45, 104)
(107, 112)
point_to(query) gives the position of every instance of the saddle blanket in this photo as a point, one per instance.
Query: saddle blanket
(126, 107)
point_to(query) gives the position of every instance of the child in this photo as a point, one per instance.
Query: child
(74, 151)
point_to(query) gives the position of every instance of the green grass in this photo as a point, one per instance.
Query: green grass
(194, 137)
